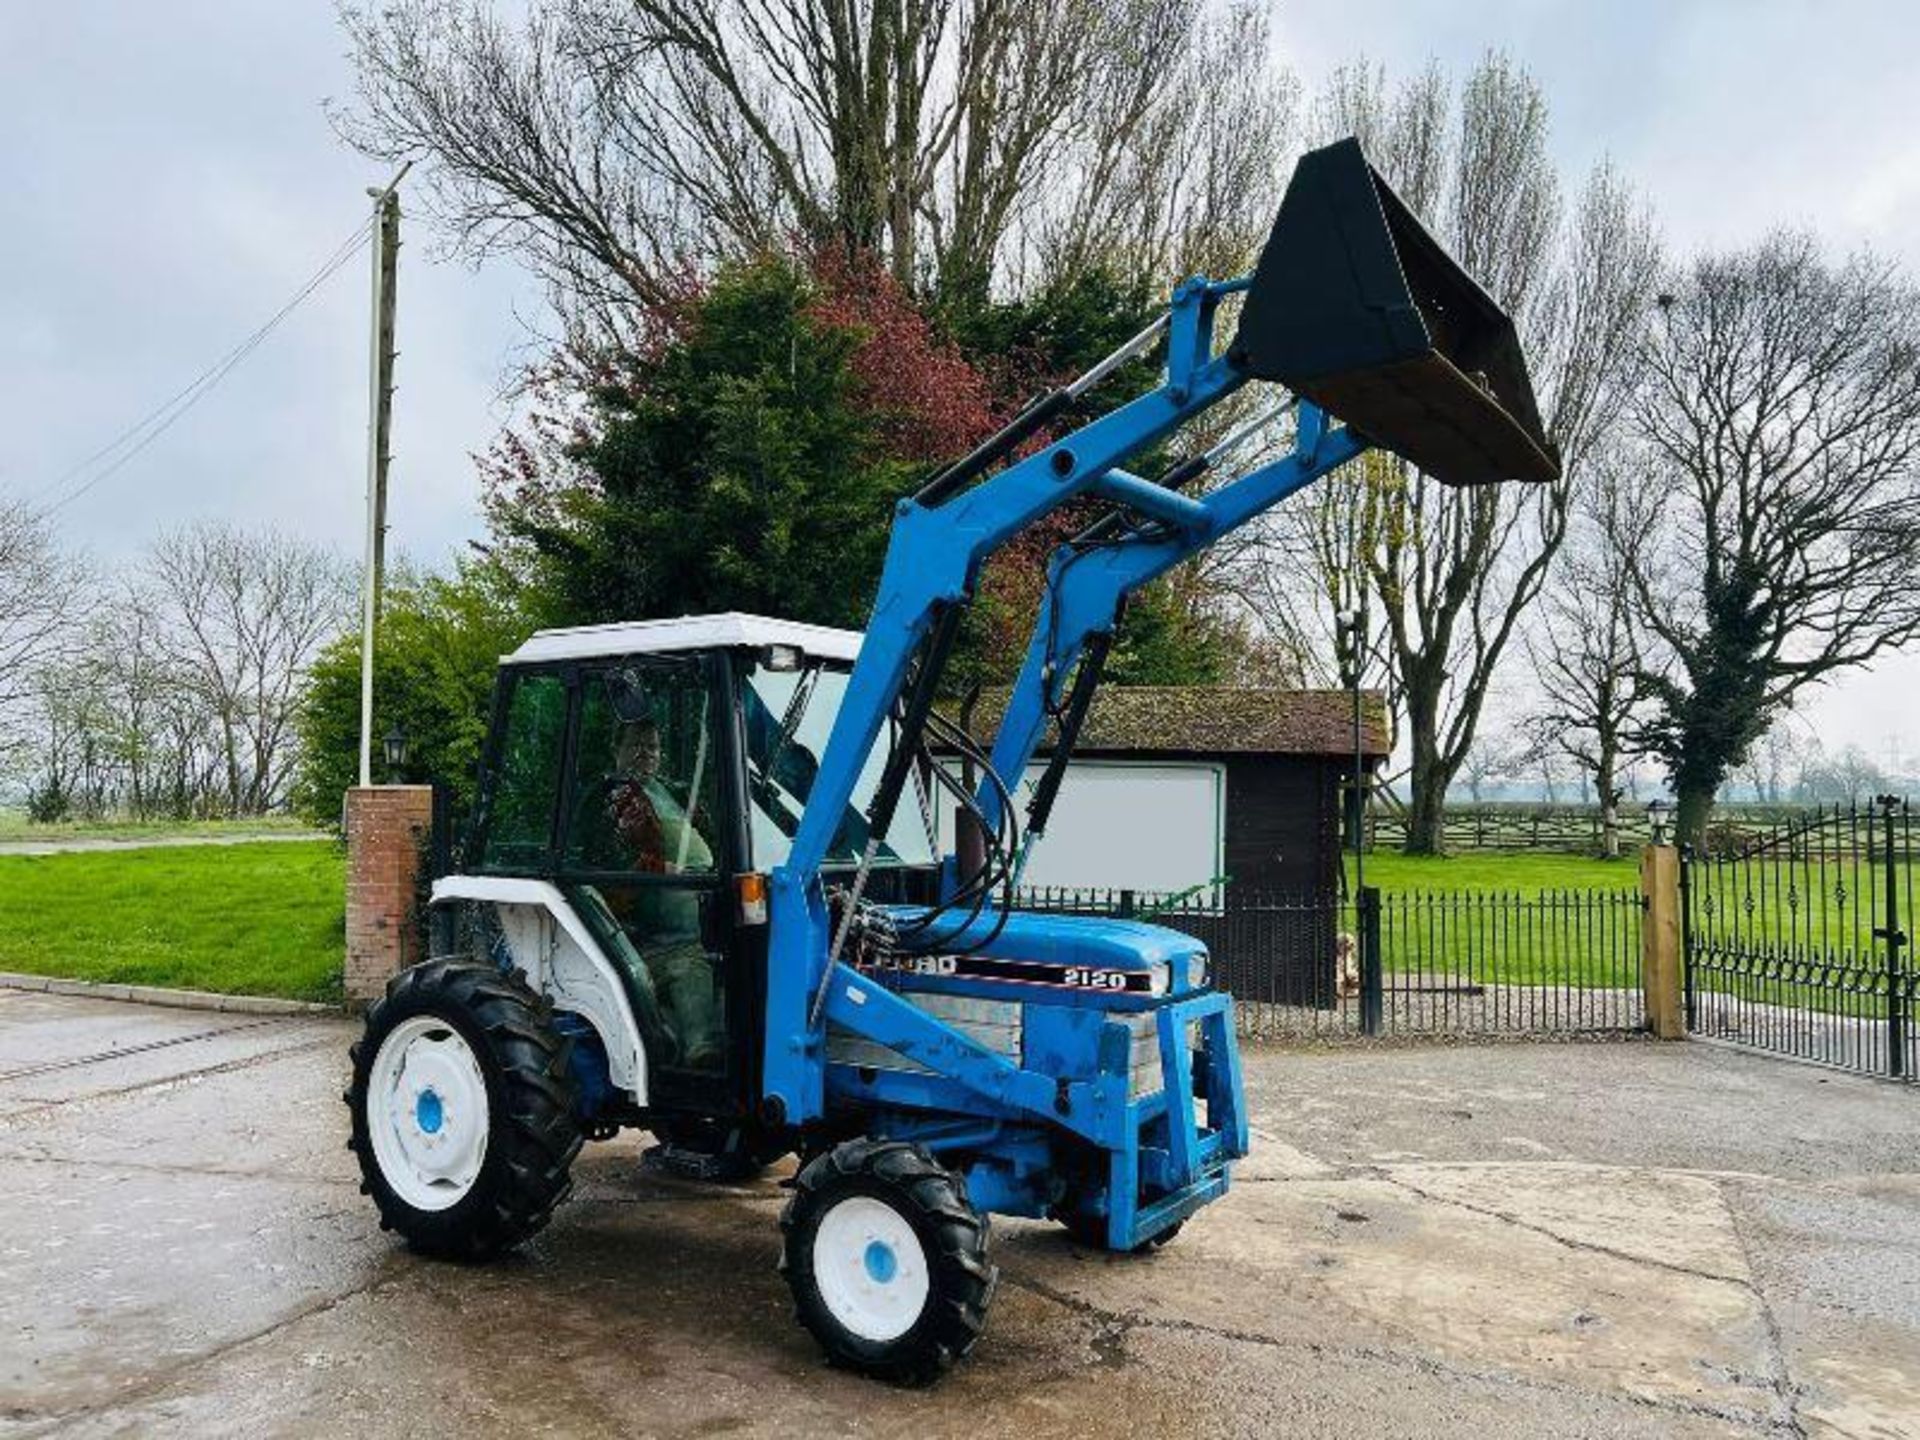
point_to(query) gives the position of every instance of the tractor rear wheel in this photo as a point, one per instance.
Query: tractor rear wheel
(463, 1110)
(887, 1260)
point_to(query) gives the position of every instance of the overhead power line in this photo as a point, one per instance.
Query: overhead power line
(115, 454)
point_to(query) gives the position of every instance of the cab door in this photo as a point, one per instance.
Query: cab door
(644, 853)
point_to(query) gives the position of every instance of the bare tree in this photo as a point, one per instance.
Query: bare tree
(43, 594)
(1451, 573)
(1778, 532)
(1183, 172)
(1775, 758)
(1849, 777)
(65, 764)
(244, 615)
(1586, 655)
(616, 143)
(1494, 758)
(150, 724)
(144, 686)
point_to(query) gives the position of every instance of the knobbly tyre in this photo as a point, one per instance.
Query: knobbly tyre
(685, 903)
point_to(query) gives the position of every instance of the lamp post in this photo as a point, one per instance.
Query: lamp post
(1347, 633)
(396, 748)
(1657, 813)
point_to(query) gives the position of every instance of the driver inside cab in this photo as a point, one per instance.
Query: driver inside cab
(657, 836)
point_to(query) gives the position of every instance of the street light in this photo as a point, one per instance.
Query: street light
(396, 747)
(1657, 812)
(1347, 629)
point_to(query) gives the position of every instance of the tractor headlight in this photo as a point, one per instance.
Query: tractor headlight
(1194, 977)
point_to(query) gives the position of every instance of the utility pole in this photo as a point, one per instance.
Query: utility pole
(386, 258)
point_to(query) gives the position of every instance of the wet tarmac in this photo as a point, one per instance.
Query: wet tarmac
(1488, 1241)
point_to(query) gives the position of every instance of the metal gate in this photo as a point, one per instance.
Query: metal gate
(1795, 939)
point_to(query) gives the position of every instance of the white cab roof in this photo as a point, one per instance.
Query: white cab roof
(689, 632)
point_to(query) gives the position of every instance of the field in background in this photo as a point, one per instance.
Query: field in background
(1568, 921)
(266, 919)
(14, 825)
(1508, 873)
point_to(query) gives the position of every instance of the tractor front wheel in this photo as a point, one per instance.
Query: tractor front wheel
(463, 1110)
(887, 1260)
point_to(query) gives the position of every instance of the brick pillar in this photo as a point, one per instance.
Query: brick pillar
(387, 830)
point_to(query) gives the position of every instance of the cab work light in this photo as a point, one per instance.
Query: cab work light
(1356, 307)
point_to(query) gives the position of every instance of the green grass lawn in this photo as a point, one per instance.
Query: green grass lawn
(14, 825)
(1512, 919)
(1586, 938)
(266, 919)
(1504, 873)
(1537, 920)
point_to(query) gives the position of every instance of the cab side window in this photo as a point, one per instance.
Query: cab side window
(646, 777)
(643, 823)
(526, 776)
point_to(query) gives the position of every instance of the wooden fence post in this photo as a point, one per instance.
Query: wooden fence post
(1660, 958)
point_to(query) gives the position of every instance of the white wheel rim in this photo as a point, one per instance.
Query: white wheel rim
(870, 1268)
(427, 1113)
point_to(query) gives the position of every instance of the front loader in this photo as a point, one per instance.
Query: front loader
(693, 899)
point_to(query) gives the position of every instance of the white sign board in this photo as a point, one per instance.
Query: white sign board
(1123, 825)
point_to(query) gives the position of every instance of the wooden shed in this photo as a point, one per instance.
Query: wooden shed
(1176, 786)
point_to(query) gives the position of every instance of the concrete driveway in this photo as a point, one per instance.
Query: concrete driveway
(1517, 1240)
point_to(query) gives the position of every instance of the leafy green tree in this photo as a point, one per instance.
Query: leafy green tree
(753, 459)
(750, 463)
(1037, 341)
(1161, 642)
(435, 654)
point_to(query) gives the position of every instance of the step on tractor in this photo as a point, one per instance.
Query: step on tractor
(694, 897)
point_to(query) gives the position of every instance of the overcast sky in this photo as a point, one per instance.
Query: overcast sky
(171, 178)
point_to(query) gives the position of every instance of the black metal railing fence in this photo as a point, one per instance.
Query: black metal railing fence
(1797, 942)
(1392, 962)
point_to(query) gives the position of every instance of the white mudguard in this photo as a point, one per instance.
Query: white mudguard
(553, 948)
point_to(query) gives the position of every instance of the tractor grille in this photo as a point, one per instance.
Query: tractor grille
(1143, 1070)
(999, 1025)
(996, 1024)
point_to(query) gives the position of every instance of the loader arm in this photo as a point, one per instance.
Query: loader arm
(938, 544)
(1086, 588)
(1356, 310)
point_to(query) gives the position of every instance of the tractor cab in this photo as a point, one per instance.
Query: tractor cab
(649, 776)
(638, 785)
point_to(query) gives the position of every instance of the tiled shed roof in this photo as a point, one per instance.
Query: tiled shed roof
(1212, 720)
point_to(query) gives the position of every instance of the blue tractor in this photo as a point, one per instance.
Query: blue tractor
(693, 900)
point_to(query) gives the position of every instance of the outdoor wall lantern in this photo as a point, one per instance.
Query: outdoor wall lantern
(396, 746)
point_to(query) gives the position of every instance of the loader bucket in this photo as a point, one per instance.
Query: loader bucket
(1357, 308)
